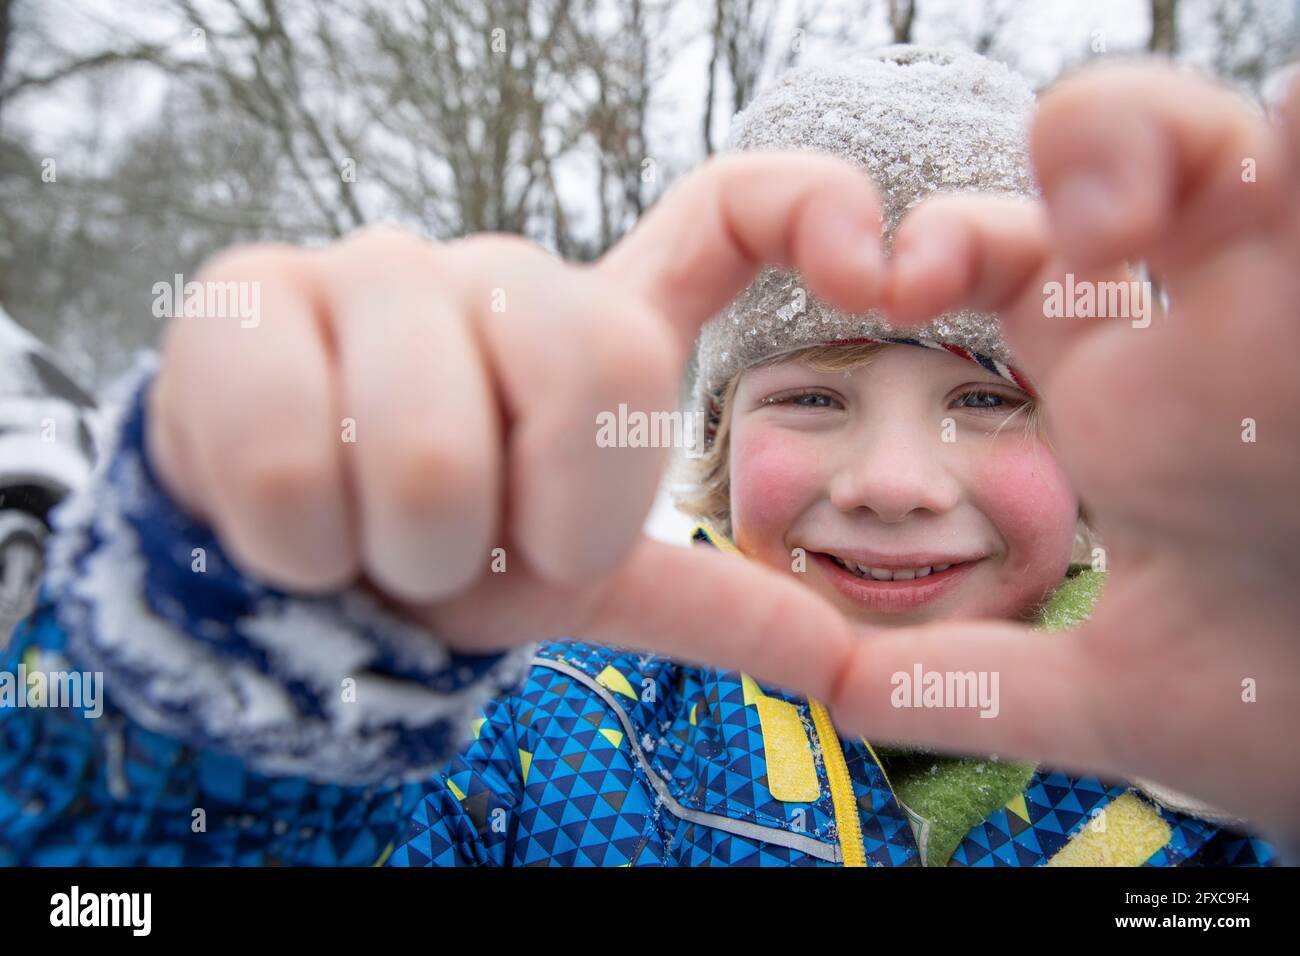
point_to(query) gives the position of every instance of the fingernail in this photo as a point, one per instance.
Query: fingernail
(1088, 205)
(910, 265)
(861, 236)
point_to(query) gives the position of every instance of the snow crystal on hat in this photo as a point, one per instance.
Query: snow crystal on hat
(917, 120)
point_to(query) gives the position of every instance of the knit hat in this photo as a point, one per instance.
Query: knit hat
(918, 120)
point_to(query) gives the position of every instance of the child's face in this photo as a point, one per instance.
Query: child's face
(863, 466)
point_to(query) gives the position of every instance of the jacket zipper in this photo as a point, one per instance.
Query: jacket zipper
(847, 823)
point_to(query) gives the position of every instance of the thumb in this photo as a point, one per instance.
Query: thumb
(706, 607)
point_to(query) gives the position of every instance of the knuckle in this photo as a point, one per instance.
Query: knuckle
(505, 247)
(382, 248)
(252, 260)
(381, 236)
(239, 284)
(498, 242)
(720, 166)
(425, 474)
(270, 478)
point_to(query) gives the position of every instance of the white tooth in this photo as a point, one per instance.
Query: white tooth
(851, 568)
(881, 574)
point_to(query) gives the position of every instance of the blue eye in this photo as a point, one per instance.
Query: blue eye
(979, 398)
(803, 400)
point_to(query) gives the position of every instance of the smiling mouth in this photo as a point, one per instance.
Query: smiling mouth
(892, 574)
(892, 590)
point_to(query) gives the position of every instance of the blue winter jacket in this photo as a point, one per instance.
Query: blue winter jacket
(235, 724)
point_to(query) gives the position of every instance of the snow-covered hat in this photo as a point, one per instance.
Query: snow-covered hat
(918, 120)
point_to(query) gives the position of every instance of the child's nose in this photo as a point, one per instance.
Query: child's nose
(895, 472)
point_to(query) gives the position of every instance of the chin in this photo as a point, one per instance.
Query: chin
(914, 618)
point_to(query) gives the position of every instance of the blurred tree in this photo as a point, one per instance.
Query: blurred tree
(299, 121)
(6, 19)
(902, 16)
(1249, 40)
(1164, 26)
(995, 16)
(80, 264)
(741, 37)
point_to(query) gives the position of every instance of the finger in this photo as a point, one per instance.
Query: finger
(572, 356)
(262, 456)
(419, 429)
(1100, 699)
(1143, 162)
(705, 240)
(704, 606)
(990, 254)
(1026, 695)
(965, 249)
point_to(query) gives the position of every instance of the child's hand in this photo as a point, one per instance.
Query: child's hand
(1189, 670)
(470, 376)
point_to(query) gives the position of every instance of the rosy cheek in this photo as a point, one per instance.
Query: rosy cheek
(1020, 487)
(773, 481)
